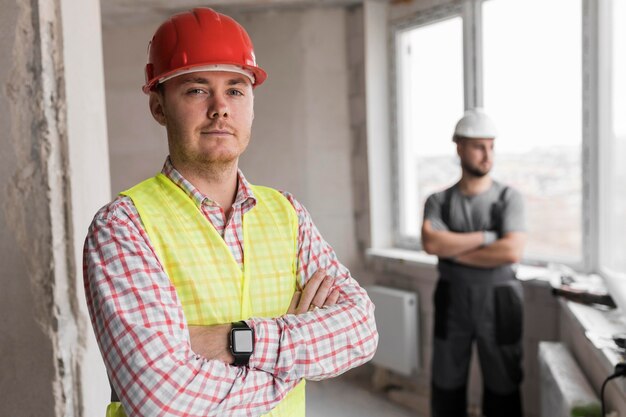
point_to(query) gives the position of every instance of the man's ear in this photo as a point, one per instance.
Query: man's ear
(459, 146)
(156, 107)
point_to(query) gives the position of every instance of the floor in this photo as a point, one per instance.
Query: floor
(343, 397)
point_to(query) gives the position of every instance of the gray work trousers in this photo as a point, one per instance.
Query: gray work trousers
(482, 305)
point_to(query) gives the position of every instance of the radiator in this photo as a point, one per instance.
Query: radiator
(397, 323)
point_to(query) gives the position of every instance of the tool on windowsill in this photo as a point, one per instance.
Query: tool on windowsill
(583, 289)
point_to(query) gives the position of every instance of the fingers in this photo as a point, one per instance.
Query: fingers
(332, 299)
(318, 292)
(310, 290)
(323, 292)
(294, 302)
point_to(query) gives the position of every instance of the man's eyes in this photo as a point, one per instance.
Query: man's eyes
(195, 91)
(198, 91)
(235, 92)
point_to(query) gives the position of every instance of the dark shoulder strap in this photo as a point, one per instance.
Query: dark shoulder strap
(503, 194)
(446, 206)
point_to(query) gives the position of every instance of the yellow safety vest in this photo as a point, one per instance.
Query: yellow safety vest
(211, 286)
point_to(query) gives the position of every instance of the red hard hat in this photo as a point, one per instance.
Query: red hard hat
(199, 38)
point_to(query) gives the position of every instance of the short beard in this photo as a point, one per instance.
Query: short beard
(473, 171)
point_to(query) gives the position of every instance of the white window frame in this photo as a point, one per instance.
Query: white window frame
(434, 15)
(598, 45)
(595, 126)
(592, 50)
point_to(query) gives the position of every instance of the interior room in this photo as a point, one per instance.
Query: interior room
(357, 120)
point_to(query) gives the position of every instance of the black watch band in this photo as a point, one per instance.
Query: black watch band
(241, 343)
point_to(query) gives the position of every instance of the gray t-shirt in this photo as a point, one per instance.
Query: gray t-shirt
(499, 209)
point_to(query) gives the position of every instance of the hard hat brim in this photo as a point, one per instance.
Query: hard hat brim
(259, 74)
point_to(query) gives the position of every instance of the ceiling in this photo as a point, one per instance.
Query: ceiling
(126, 11)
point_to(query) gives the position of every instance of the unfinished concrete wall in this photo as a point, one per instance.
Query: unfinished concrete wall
(300, 138)
(31, 105)
(43, 333)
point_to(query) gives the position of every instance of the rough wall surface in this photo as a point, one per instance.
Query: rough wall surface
(39, 336)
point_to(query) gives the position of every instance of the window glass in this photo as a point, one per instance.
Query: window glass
(532, 60)
(430, 100)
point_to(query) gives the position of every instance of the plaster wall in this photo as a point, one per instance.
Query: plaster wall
(32, 255)
(26, 350)
(301, 137)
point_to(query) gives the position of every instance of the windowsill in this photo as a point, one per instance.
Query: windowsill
(598, 326)
(418, 258)
(424, 260)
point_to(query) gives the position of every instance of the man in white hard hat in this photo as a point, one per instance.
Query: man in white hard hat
(476, 228)
(210, 296)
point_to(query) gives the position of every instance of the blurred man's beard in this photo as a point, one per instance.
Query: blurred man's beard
(474, 171)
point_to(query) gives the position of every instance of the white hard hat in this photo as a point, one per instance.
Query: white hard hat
(475, 124)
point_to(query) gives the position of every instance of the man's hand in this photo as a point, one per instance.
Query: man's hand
(506, 250)
(317, 292)
(211, 342)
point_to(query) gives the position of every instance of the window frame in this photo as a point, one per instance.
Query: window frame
(420, 19)
(599, 47)
(594, 22)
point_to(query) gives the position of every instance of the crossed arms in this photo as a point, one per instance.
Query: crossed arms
(211, 341)
(468, 248)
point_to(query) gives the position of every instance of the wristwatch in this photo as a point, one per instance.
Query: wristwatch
(241, 343)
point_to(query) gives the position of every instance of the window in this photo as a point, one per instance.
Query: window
(529, 81)
(533, 89)
(429, 96)
(552, 73)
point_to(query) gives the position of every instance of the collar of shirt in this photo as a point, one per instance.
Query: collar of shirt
(244, 198)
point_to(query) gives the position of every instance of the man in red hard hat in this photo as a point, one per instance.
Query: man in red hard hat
(209, 295)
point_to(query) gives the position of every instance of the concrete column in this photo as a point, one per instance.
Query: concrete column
(44, 335)
(89, 178)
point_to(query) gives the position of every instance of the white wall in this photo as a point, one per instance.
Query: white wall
(301, 135)
(137, 144)
(300, 138)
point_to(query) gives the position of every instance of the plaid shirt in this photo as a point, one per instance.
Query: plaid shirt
(144, 339)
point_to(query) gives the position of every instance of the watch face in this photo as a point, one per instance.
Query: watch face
(242, 341)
